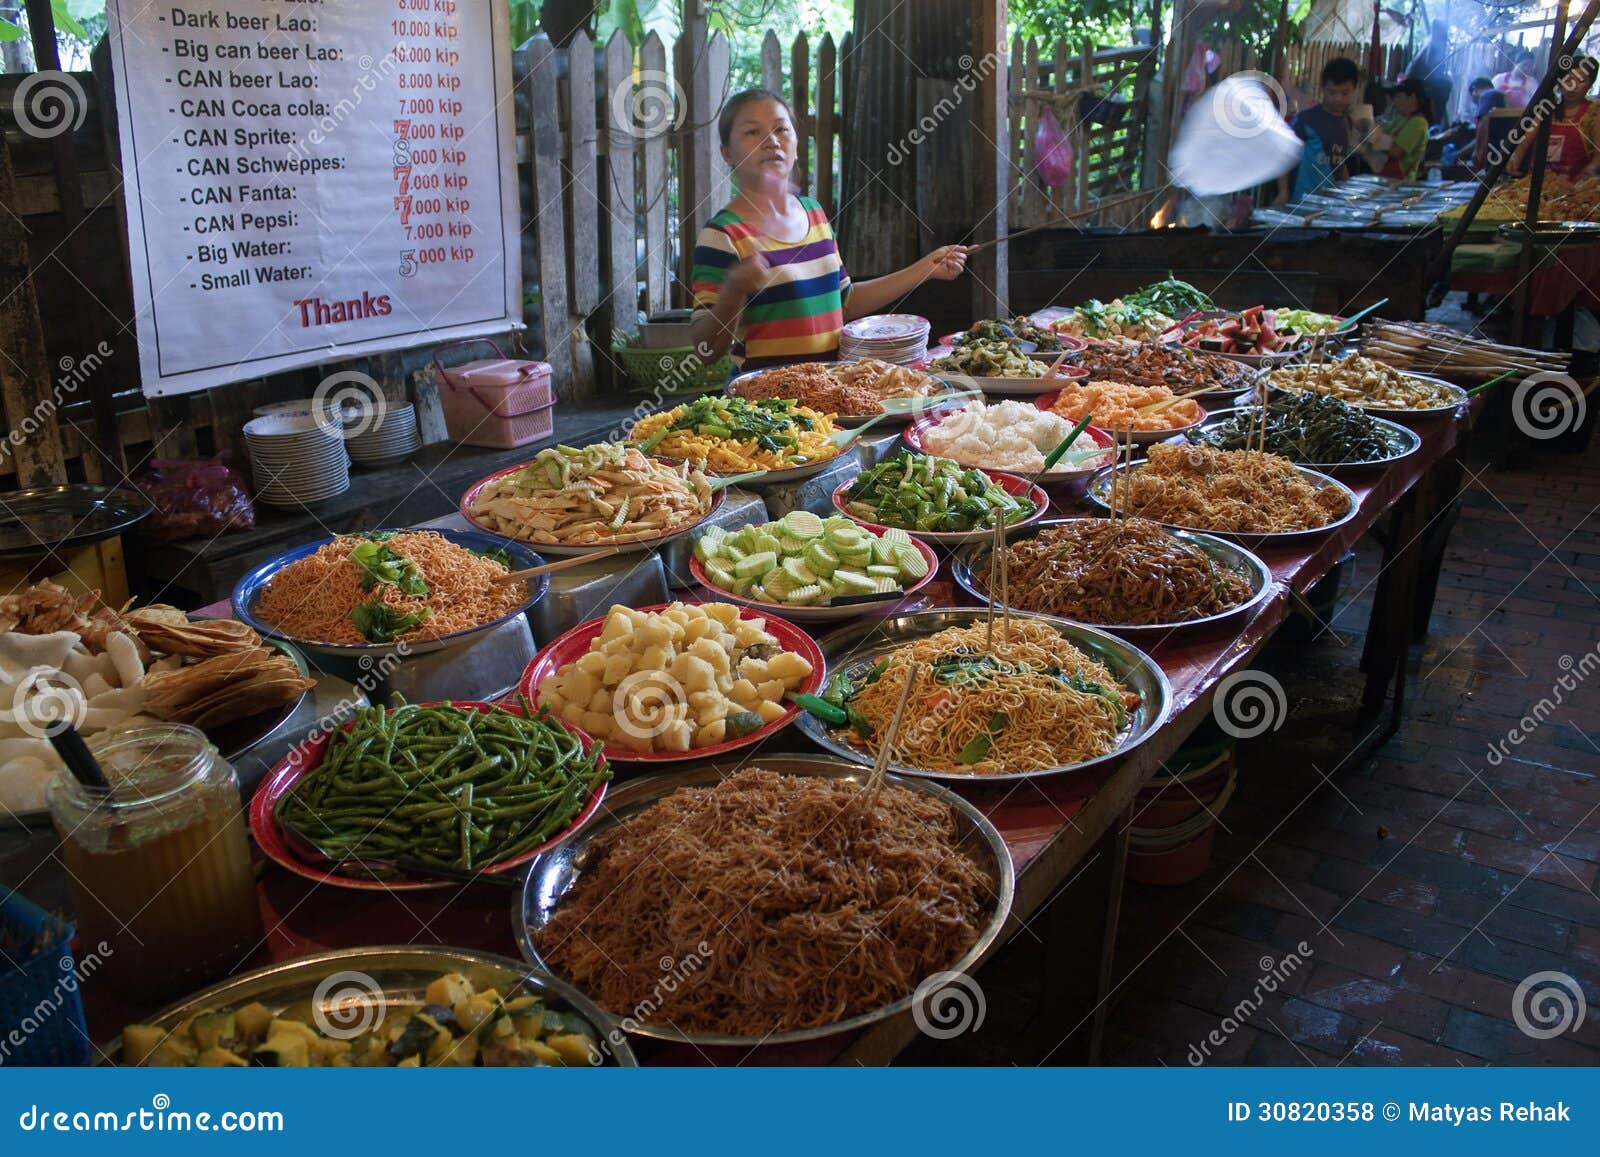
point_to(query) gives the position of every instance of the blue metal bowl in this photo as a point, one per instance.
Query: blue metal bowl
(247, 592)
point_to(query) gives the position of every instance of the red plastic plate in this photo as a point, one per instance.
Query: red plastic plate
(573, 645)
(305, 758)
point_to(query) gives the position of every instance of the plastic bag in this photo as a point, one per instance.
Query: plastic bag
(1054, 150)
(195, 498)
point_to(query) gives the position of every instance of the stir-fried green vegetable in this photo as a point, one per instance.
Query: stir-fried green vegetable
(1045, 340)
(379, 564)
(1308, 428)
(1171, 297)
(442, 787)
(921, 492)
(378, 622)
(766, 421)
(989, 359)
(1306, 321)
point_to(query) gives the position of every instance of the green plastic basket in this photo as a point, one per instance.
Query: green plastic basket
(671, 371)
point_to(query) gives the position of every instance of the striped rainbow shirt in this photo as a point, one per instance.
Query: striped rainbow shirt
(797, 317)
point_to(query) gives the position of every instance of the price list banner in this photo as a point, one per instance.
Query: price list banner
(308, 180)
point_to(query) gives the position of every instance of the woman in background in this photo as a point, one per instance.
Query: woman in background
(1406, 128)
(768, 281)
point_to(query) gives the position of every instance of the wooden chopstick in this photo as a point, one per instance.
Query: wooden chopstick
(880, 766)
(552, 567)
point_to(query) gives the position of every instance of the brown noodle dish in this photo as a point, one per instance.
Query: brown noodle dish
(1125, 572)
(1155, 364)
(806, 905)
(848, 389)
(379, 589)
(1242, 491)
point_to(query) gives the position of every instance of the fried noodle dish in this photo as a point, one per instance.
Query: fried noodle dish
(807, 904)
(1242, 491)
(380, 588)
(1029, 702)
(1125, 572)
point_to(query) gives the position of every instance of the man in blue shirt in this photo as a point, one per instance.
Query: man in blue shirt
(1327, 131)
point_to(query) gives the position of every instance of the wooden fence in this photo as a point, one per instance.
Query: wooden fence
(1100, 98)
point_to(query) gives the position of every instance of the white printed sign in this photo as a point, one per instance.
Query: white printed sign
(308, 180)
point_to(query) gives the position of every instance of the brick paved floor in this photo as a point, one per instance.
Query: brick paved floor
(1426, 883)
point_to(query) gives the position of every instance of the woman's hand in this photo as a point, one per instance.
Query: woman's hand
(947, 262)
(748, 277)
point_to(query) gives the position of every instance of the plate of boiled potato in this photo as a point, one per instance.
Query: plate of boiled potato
(677, 681)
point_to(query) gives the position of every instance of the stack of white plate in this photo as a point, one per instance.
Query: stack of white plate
(393, 438)
(296, 459)
(901, 338)
(292, 406)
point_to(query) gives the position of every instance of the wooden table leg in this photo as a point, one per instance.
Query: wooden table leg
(1115, 888)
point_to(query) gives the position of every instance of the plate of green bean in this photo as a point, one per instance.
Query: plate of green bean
(427, 795)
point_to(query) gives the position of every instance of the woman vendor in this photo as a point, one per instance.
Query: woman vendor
(1574, 150)
(768, 279)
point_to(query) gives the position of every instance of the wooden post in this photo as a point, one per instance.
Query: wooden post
(25, 371)
(549, 216)
(827, 87)
(172, 418)
(1541, 150)
(991, 288)
(69, 186)
(1056, 199)
(620, 216)
(772, 63)
(697, 140)
(584, 204)
(1018, 184)
(1035, 203)
(719, 61)
(1080, 129)
(800, 105)
(657, 254)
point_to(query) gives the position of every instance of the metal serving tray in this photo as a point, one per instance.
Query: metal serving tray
(373, 980)
(553, 873)
(855, 648)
